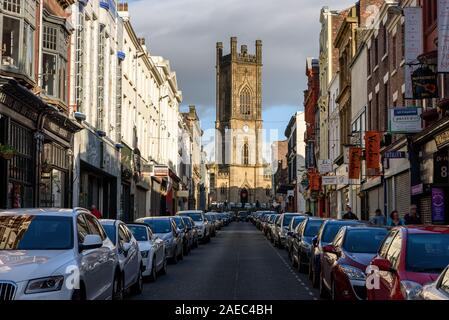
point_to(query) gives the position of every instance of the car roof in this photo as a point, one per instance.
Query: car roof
(426, 229)
(155, 218)
(189, 211)
(41, 212)
(137, 224)
(338, 221)
(109, 221)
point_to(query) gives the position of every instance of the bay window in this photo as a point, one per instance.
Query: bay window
(17, 18)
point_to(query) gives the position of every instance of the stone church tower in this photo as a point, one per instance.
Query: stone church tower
(241, 176)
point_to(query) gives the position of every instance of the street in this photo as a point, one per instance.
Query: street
(238, 264)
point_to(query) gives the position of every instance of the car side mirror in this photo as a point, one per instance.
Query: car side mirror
(383, 264)
(126, 247)
(91, 241)
(315, 241)
(330, 249)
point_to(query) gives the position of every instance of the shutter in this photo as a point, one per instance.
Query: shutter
(141, 197)
(402, 193)
(373, 201)
(425, 208)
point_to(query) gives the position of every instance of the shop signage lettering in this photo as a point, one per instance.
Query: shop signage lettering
(355, 155)
(405, 120)
(441, 167)
(58, 130)
(438, 205)
(372, 143)
(442, 139)
(20, 108)
(160, 171)
(395, 155)
(325, 166)
(424, 83)
(329, 180)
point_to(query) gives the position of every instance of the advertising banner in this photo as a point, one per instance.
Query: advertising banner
(438, 205)
(413, 44)
(443, 36)
(355, 160)
(372, 143)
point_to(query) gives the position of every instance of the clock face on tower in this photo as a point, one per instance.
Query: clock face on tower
(245, 128)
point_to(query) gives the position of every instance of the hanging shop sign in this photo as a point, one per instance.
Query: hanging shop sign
(443, 35)
(325, 166)
(413, 44)
(424, 83)
(372, 143)
(315, 181)
(329, 180)
(442, 139)
(160, 171)
(405, 120)
(355, 160)
(438, 206)
(395, 155)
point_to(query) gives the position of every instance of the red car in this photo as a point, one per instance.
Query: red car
(344, 262)
(409, 258)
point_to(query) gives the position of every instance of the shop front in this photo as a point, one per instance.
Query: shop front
(36, 150)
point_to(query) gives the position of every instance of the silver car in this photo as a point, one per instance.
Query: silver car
(165, 228)
(438, 290)
(203, 226)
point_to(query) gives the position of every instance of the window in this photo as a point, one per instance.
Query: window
(245, 102)
(376, 51)
(223, 189)
(82, 228)
(95, 227)
(385, 41)
(54, 59)
(368, 64)
(444, 285)
(393, 52)
(245, 154)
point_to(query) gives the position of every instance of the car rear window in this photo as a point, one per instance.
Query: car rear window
(297, 220)
(312, 228)
(427, 253)
(364, 240)
(110, 231)
(159, 225)
(287, 219)
(331, 230)
(139, 232)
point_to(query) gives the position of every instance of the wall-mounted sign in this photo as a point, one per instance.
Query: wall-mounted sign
(160, 171)
(413, 44)
(325, 166)
(342, 180)
(417, 189)
(329, 180)
(443, 35)
(424, 83)
(395, 155)
(438, 205)
(442, 139)
(405, 120)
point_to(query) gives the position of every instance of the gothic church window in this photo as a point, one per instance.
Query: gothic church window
(245, 154)
(245, 102)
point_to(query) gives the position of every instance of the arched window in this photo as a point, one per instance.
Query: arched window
(245, 102)
(245, 154)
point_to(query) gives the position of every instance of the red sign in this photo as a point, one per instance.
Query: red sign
(315, 181)
(372, 143)
(355, 160)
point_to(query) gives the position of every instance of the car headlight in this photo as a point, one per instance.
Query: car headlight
(145, 253)
(411, 290)
(353, 273)
(44, 285)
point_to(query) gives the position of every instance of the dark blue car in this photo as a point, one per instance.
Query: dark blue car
(302, 243)
(325, 236)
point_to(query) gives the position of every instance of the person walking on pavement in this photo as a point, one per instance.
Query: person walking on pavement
(412, 217)
(349, 215)
(95, 211)
(379, 219)
(395, 220)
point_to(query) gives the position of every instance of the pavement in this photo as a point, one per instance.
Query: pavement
(238, 264)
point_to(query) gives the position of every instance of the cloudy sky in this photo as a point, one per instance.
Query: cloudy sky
(186, 32)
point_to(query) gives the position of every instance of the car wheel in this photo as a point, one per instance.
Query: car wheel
(164, 267)
(137, 287)
(118, 288)
(153, 274)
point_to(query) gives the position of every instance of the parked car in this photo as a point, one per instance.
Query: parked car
(213, 226)
(281, 229)
(128, 253)
(272, 227)
(191, 226)
(242, 216)
(292, 233)
(325, 236)
(185, 233)
(267, 226)
(152, 250)
(302, 243)
(264, 220)
(438, 290)
(41, 249)
(344, 262)
(410, 257)
(165, 228)
(201, 223)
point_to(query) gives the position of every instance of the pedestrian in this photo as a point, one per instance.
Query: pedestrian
(349, 215)
(395, 220)
(95, 211)
(412, 217)
(378, 219)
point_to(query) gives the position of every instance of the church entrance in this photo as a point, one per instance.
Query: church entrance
(244, 196)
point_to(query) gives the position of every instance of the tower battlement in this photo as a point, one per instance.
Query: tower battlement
(239, 56)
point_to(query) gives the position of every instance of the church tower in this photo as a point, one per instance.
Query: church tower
(241, 173)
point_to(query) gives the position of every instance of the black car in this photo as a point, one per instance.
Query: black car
(186, 233)
(292, 231)
(302, 243)
(325, 236)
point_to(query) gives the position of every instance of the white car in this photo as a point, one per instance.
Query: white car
(127, 250)
(203, 226)
(56, 254)
(152, 249)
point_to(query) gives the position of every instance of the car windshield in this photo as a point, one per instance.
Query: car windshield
(297, 220)
(110, 231)
(139, 232)
(427, 252)
(194, 216)
(331, 230)
(159, 225)
(179, 223)
(364, 240)
(312, 228)
(187, 222)
(287, 219)
(29, 232)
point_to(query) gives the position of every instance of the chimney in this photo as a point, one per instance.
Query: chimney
(234, 47)
(259, 51)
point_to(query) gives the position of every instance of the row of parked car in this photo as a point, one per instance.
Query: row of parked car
(353, 260)
(68, 254)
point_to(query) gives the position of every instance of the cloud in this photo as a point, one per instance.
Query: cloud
(186, 31)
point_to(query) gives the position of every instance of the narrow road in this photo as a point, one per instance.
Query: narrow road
(238, 264)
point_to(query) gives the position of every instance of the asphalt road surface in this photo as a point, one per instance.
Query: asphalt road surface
(238, 264)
